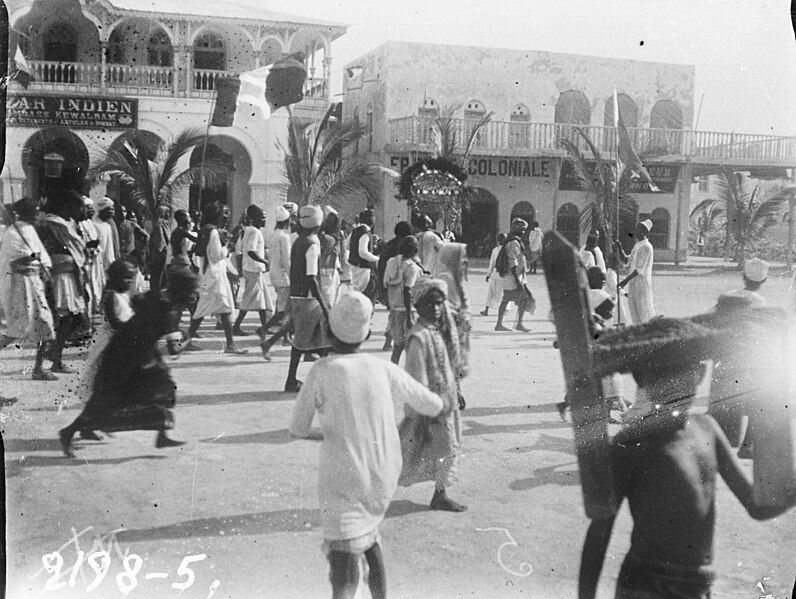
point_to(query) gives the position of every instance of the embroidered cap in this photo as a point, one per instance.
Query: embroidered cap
(519, 223)
(350, 317)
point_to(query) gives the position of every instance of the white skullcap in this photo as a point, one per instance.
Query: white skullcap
(327, 210)
(282, 214)
(755, 270)
(292, 207)
(647, 224)
(310, 216)
(87, 201)
(350, 317)
(105, 202)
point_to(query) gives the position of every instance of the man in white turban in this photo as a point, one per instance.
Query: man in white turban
(107, 234)
(639, 281)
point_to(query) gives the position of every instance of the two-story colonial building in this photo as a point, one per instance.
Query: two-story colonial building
(103, 67)
(398, 89)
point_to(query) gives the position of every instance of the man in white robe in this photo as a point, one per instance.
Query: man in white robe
(639, 281)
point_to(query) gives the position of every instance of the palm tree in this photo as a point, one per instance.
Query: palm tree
(317, 170)
(448, 135)
(600, 178)
(745, 217)
(151, 173)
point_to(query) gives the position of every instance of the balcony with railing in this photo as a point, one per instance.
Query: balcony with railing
(145, 80)
(416, 133)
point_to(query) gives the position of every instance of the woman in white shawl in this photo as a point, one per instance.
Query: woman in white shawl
(23, 260)
(215, 291)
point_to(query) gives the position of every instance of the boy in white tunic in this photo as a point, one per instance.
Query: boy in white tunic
(357, 397)
(639, 281)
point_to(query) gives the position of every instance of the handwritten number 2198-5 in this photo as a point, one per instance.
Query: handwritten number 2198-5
(100, 562)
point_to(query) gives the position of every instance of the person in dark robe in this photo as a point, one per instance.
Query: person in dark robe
(133, 389)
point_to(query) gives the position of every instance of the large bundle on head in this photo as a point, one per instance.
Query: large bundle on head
(658, 349)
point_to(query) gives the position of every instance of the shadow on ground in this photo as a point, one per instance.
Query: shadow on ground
(549, 475)
(547, 443)
(261, 523)
(277, 437)
(499, 411)
(477, 428)
(243, 397)
(15, 467)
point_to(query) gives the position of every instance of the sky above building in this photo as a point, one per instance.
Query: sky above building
(743, 50)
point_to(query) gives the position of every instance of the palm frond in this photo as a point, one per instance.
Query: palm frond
(475, 133)
(446, 131)
(703, 207)
(185, 142)
(333, 139)
(577, 160)
(213, 175)
(600, 166)
(356, 176)
(586, 220)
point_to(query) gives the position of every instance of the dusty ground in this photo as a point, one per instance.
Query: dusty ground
(243, 493)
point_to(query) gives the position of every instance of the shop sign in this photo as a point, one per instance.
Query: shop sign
(663, 175)
(496, 167)
(79, 112)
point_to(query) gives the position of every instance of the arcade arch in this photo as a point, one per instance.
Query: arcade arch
(237, 166)
(61, 148)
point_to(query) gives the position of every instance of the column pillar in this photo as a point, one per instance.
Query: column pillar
(103, 63)
(327, 70)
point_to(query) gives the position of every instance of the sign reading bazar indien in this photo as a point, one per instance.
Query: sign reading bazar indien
(81, 112)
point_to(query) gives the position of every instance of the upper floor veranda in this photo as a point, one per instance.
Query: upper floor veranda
(171, 49)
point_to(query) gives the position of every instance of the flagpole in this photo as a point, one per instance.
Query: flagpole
(204, 148)
(616, 207)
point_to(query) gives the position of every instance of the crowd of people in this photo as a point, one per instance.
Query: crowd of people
(75, 267)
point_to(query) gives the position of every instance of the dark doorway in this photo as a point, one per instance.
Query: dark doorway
(479, 224)
(55, 160)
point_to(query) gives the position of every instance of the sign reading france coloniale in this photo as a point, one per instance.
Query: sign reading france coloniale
(79, 112)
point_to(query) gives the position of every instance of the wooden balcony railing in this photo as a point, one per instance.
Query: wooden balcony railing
(148, 77)
(205, 79)
(75, 73)
(148, 80)
(417, 132)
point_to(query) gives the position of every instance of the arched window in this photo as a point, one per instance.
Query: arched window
(666, 114)
(568, 223)
(573, 108)
(271, 52)
(659, 236)
(60, 43)
(627, 108)
(429, 108)
(666, 122)
(159, 51)
(474, 109)
(519, 127)
(209, 52)
(115, 52)
(520, 113)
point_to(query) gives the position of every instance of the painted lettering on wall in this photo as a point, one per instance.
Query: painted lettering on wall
(509, 167)
(495, 167)
(77, 112)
